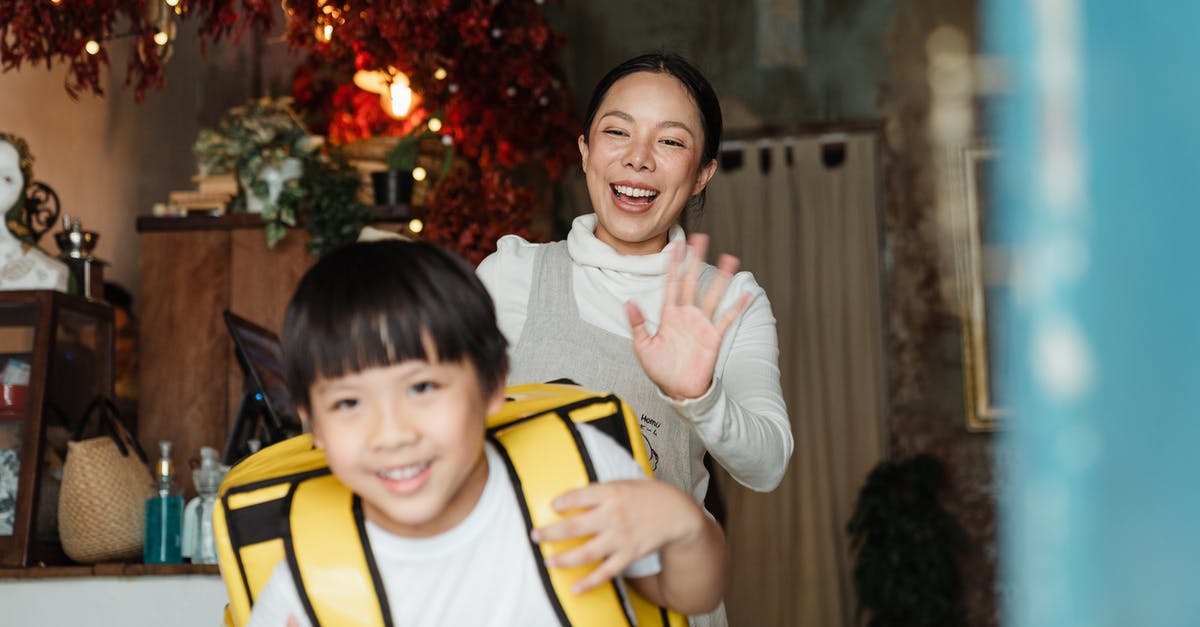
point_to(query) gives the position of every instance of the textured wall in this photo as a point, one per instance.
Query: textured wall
(927, 405)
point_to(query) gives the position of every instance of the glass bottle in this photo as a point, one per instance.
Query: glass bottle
(164, 514)
(198, 542)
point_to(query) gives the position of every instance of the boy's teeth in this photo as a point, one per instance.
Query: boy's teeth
(404, 472)
(625, 190)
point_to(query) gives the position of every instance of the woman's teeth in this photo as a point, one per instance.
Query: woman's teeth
(404, 472)
(635, 192)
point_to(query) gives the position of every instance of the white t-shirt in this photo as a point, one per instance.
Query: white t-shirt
(480, 573)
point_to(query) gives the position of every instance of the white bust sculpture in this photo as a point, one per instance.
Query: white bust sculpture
(22, 267)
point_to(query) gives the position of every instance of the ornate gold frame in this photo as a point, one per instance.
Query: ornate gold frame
(983, 411)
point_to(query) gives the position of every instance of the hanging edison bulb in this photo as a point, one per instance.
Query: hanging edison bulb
(395, 95)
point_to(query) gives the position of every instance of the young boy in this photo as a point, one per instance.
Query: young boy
(393, 355)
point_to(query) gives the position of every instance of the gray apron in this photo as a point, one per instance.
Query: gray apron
(555, 343)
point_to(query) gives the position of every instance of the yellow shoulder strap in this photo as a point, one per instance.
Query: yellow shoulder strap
(546, 457)
(543, 460)
(329, 558)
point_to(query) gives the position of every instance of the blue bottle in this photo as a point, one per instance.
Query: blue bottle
(164, 514)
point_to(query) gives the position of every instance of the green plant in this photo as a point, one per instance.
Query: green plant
(329, 207)
(403, 156)
(285, 172)
(906, 547)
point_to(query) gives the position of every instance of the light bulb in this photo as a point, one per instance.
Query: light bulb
(435, 124)
(161, 38)
(92, 47)
(419, 173)
(172, 3)
(440, 73)
(400, 95)
(415, 225)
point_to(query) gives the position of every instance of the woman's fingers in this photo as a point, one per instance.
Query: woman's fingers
(732, 313)
(637, 322)
(689, 282)
(671, 292)
(727, 265)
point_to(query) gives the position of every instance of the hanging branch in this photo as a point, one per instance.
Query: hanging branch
(43, 31)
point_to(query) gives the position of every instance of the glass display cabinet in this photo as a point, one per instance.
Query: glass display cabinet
(56, 355)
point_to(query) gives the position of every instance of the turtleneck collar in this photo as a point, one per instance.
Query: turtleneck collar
(587, 250)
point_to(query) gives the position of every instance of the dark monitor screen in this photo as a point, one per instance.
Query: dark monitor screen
(260, 356)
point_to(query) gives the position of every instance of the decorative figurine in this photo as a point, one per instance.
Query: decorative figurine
(23, 265)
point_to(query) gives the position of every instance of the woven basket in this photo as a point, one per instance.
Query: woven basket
(105, 484)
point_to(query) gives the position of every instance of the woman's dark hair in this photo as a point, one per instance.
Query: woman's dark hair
(375, 304)
(693, 80)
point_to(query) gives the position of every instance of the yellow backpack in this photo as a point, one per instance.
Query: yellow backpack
(283, 503)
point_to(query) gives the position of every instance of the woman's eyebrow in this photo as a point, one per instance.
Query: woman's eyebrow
(617, 113)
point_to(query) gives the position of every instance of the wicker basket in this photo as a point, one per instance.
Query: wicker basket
(105, 484)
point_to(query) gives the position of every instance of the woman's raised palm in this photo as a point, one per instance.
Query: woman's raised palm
(681, 356)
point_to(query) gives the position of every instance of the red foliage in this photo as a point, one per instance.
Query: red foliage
(42, 32)
(470, 212)
(504, 99)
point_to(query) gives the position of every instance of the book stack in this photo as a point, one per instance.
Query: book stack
(212, 198)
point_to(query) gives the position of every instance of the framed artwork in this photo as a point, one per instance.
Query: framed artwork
(983, 282)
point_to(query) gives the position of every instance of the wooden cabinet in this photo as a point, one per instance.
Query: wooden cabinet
(192, 269)
(61, 346)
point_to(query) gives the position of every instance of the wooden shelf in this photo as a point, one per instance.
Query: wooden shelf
(201, 221)
(111, 569)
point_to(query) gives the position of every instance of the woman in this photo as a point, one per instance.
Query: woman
(626, 304)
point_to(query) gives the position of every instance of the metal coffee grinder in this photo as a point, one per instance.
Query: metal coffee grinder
(75, 246)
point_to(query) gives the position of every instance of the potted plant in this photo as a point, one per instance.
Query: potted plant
(284, 173)
(906, 547)
(394, 186)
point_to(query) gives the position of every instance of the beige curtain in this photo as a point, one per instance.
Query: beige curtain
(811, 236)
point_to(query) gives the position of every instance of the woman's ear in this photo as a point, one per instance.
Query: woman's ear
(583, 152)
(704, 176)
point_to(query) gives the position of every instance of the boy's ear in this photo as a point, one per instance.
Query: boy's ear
(496, 401)
(306, 424)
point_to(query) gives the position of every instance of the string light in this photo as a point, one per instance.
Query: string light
(172, 3)
(325, 32)
(440, 73)
(435, 124)
(419, 173)
(161, 38)
(415, 225)
(92, 47)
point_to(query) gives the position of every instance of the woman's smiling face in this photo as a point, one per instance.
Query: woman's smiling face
(642, 161)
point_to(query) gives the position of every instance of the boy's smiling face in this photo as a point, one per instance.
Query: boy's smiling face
(408, 439)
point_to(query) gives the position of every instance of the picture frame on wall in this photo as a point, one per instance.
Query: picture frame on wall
(983, 280)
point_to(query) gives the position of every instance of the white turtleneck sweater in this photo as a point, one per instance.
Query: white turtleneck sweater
(741, 419)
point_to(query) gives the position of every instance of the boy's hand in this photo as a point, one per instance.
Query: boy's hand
(625, 521)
